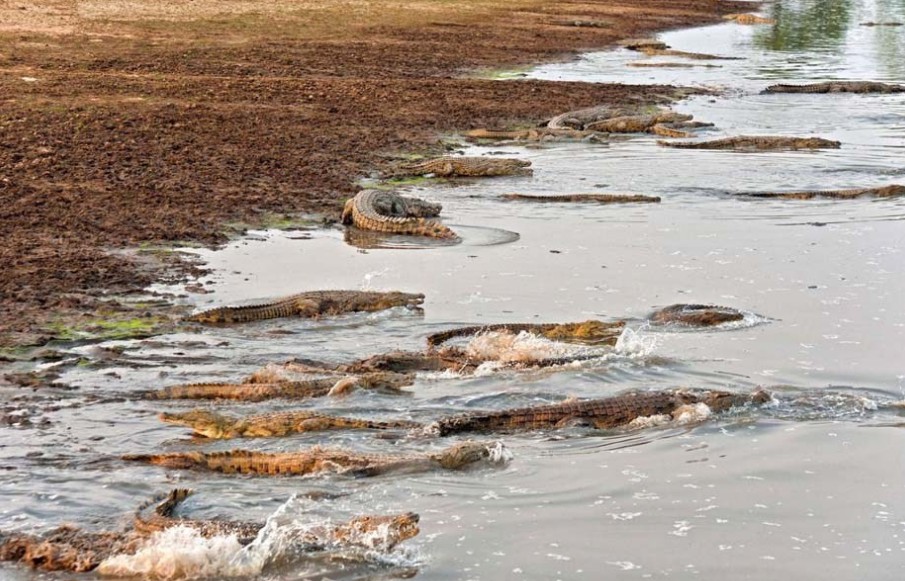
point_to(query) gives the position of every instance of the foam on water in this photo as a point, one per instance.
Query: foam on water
(522, 348)
(635, 343)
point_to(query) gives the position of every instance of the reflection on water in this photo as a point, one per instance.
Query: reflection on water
(808, 486)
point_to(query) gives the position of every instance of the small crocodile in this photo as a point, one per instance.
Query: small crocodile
(213, 425)
(879, 192)
(670, 65)
(587, 332)
(462, 167)
(692, 315)
(301, 389)
(749, 19)
(600, 413)
(394, 214)
(837, 87)
(599, 198)
(756, 143)
(639, 43)
(871, 23)
(312, 304)
(651, 51)
(319, 460)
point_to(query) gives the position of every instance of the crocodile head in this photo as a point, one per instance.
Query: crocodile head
(466, 453)
(695, 315)
(590, 331)
(380, 533)
(719, 401)
(818, 142)
(399, 299)
(202, 422)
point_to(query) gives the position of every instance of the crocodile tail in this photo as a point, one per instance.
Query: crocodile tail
(245, 314)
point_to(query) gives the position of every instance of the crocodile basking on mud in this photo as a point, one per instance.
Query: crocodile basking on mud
(218, 426)
(327, 461)
(587, 332)
(837, 87)
(603, 413)
(539, 134)
(878, 192)
(69, 548)
(391, 213)
(312, 304)
(300, 389)
(462, 167)
(579, 198)
(636, 123)
(756, 143)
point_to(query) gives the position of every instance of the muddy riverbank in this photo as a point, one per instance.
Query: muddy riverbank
(132, 124)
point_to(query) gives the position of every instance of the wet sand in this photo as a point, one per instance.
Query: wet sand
(134, 123)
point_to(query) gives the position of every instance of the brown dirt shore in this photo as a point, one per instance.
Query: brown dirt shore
(135, 122)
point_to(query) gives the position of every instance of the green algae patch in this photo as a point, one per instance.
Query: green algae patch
(275, 221)
(105, 329)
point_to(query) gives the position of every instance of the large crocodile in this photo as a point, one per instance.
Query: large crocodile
(596, 198)
(540, 134)
(588, 332)
(581, 118)
(462, 167)
(312, 304)
(837, 87)
(636, 123)
(394, 214)
(213, 425)
(319, 460)
(756, 143)
(604, 413)
(693, 315)
(748, 18)
(889, 191)
(299, 389)
(69, 548)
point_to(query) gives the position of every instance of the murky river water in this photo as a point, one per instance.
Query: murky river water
(794, 490)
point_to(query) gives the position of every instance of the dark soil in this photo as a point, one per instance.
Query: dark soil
(114, 141)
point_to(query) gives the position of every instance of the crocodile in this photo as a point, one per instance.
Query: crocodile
(394, 214)
(893, 23)
(579, 119)
(583, 23)
(667, 130)
(535, 134)
(599, 198)
(837, 87)
(462, 167)
(671, 65)
(639, 43)
(69, 548)
(319, 460)
(381, 532)
(748, 18)
(636, 123)
(312, 304)
(587, 332)
(756, 143)
(889, 191)
(603, 413)
(301, 389)
(218, 426)
(692, 315)
(652, 51)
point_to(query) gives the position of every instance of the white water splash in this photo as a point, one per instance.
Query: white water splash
(503, 347)
(686, 414)
(368, 279)
(499, 453)
(635, 343)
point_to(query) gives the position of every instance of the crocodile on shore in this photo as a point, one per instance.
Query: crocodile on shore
(598, 198)
(692, 315)
(837, 87)
(213, 425)
(639, 43)
(312, 304)
(69, 548)
(579, 119)
(604, 413)
(636, 123)
(391, 213)
(301, 389)
(756, 143)
(540, 134)
(651, 51)
(590, 332)
(462, 167)
(319, 460)
(749, 19)
(878, 192)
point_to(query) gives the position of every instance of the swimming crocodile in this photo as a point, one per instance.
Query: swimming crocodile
(598, 198)
(749, 19)
(604, 413)
(639, 43)
(69, 548)
(892, 23)
(878, 192)
(312, 304)
(671, 65)
(445, 359)
(301, 389)
(756, 143)
(462, 167)
(587, 332)
(394, 214)
(213, 425)
(692, 315)
(652, 51)
(319, 460)
(837, 87)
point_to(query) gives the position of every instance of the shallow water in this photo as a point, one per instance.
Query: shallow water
(809, 486)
